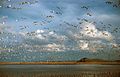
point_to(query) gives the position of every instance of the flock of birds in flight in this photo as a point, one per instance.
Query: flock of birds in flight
(49, 18)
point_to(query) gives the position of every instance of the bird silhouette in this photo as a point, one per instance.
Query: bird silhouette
(108, 2)
(89, 14)
(50, 16)
(85, 7)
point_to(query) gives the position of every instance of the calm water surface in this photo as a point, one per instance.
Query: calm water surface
(60, 70)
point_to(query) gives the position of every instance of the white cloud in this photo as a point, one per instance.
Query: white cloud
(40, 36)
(46, 48)
(84, 46)
(90, 30)
(51, 33)
(4, 27)
(55, 47)
(58, 42)
(90, 38)
(53, 41)
(40, 31)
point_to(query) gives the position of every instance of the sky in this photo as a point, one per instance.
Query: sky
(59, 30)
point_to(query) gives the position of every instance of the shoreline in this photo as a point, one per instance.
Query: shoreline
(58, 63)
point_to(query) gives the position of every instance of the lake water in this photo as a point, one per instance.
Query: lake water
(60, 70)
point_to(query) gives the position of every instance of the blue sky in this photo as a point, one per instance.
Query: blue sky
(59, 30)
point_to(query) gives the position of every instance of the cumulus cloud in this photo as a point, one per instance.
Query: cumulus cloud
(89, 38)
(90, 30)
(52, 41)
(45, 40)
(54, 47)
(4, 28)
(83, 45)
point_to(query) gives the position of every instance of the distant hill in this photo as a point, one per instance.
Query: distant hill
(95, 60)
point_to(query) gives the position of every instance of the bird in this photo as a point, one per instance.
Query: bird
(23, 27)
(23, 18)
(58, 8)
(104, 34)
(94, 22)
(9, 6)
(80, 22)
(108, 2)
(101, 22)
(85, 7)
(59, 13)
(85, 20)
(22, 3)
(75, 26)
(44, 22)
(17, 8)
(89, 14)
(35, 22)
(115, 30)
(67, 23)
(50, 16)
(115, 5)
(52, 11)
(109, 24)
